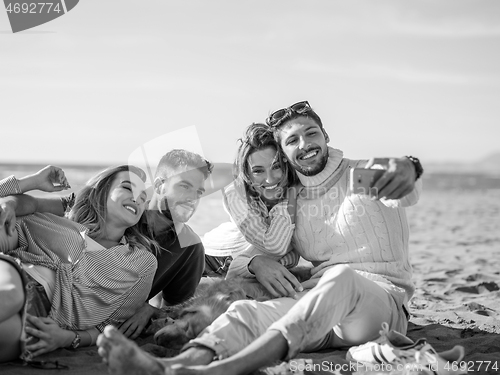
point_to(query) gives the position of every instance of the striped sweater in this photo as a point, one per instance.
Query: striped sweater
(270, 231)
(92, 288)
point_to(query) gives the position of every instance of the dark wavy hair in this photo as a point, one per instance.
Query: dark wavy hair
(90, 208)
(257, 137)
(289, 115)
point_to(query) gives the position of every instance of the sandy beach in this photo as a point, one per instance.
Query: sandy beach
(455, 253)
(85, 85)
(455, 247)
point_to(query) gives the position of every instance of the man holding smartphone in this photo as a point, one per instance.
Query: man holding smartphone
(358, 245)
(324, 171)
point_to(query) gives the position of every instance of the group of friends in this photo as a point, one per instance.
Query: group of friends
(96, 267)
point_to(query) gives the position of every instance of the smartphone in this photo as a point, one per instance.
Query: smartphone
(362, 180)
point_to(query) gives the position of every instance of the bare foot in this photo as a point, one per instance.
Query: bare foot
(124, 357)
(212, 369)
(215, 368)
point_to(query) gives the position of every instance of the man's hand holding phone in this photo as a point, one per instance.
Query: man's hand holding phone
(394, 181)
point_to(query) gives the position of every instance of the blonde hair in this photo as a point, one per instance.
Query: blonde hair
(90, 208)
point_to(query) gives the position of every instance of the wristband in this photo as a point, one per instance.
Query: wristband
(76, 341)
(419, 170)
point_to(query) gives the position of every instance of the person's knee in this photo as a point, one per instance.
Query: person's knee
(14, 300)
(340, 273)
(11, 289)
(10, 334)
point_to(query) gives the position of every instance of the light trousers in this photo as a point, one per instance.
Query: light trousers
(343, 309)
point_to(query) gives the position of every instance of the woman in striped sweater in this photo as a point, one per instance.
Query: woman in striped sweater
(63, 280)
(260, 205)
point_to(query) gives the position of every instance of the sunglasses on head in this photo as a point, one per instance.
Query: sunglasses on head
(278, 116)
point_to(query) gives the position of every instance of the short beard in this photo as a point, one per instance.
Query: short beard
(171, 214)
(182, 217)
(313, 172)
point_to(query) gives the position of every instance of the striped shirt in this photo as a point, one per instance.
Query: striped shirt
(269, 231)
(93, 287)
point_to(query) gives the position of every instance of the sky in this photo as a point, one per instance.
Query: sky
(387, 77)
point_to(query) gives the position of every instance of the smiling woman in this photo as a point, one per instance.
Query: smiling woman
(128, 195)
(87, 272)
(261, 203)
(107, 203)
(265, 174)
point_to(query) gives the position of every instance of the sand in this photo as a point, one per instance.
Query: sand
(455, 252)
(455, 246)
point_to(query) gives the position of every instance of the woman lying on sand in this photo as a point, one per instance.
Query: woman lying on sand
(76, 275)
(261, 204)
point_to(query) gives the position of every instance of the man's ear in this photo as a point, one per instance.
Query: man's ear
(327, 138)
(158, 184)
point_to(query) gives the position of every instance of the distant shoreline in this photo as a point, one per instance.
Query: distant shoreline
(62, 165)
(443, 179)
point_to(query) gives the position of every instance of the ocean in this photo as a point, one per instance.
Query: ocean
(445, 196)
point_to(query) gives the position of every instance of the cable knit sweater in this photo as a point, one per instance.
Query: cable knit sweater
(334, 226)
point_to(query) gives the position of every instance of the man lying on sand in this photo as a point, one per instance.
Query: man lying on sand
(179, 184)
(359, 247)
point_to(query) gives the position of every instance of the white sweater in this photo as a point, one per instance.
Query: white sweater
(338, 227)
(334, 226)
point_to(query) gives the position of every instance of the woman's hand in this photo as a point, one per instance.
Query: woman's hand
(49, 333)
(48, 179)
(274, 277)
(316, 274)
